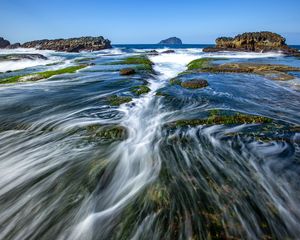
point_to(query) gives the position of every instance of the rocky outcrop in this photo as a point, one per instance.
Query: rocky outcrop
(14, 46)
(253, 42)
(172, 40)
(4, 43)
(71, 44)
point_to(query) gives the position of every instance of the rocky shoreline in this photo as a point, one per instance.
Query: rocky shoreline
(62, 45)
(253, 42)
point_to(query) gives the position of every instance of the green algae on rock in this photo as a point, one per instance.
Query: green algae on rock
(139, 90)
(270, 71)
(116, 100)
(143, 63)
(219, 117)
(112, 132)
(202, 63)
(41, 75)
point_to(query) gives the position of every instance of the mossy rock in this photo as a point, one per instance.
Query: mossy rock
(201, 63)
(127, 71)
(193, 84)
(139, 90)
(41, 75)
(218, 118)
(143, 63)
(111, 132)
(270, 71)
(118, 100)
(175, 81)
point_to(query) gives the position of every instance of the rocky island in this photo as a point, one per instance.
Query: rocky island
(253, 42)
(172, 40)
(63, 45)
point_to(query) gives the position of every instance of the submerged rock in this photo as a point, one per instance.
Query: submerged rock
(71, 44)
(127, 71)
(195, 83)
(18, 57)
(139, 90)
(4, 43)
(41, 75)
(172, 40)
(218, 117)
(116, 100)
(168, 51)
(270, 71)
(253, 42)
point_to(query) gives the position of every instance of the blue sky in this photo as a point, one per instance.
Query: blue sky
(138, 21)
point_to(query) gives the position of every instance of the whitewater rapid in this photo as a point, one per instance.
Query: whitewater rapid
(138, 160)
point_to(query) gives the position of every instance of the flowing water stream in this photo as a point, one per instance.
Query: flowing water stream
(59, 181)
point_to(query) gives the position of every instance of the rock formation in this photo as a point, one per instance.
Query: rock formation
(64, 45)
(253, 42)
(71, 44)
(4, 43)
(172, 40)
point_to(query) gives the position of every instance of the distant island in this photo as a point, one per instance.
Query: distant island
(172, 40)
(62, 45)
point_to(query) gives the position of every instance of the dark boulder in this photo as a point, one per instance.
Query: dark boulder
(172, 40)
(168, 51)
(195, 83)
(127, 71)
(71, 44)
(152, 52)
(4, 43)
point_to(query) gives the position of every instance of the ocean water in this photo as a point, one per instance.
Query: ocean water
(62, 180)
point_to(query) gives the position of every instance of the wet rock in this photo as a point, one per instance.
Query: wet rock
(152, 52)
(172, 40)
(18, 57)
(218, 117)
(168, 51)
(113, 132)
(4, 43)
(139, 90)
(127, 71)
(71, 44)
(41, 75)
(115, 100)
(270, 71)
(195, 83)
(253, 42)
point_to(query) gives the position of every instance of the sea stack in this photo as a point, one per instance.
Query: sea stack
(253, 42)
(172, 40)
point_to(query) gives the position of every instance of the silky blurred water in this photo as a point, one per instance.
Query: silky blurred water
(59, 181)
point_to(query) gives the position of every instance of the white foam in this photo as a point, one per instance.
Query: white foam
(26, 63)
(172, 64)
